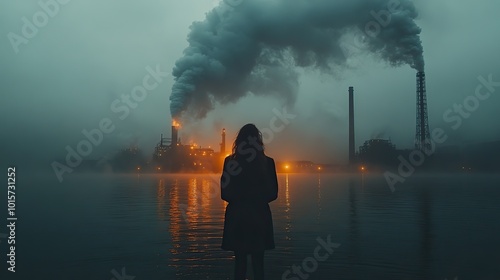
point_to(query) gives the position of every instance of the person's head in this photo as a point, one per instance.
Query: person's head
(249, 137)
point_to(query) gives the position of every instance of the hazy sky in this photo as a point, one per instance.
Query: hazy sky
(77, 64)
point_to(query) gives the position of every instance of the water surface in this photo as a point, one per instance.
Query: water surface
(170, 226)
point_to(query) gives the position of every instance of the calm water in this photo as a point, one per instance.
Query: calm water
(170, 226)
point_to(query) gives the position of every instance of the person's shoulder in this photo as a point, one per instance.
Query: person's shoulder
(228, 158)
(270, 159)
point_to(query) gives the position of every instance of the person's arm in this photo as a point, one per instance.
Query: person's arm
(273, 182)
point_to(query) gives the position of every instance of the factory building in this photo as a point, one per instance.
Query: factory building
(380, 152)
(171, 155)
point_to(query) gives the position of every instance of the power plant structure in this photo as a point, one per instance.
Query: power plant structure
(223, 142)
(422, 136)
(382, 151)
(352, 152)
(175, 134)
(171, 155)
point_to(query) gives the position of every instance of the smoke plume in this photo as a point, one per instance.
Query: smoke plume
(254, 46)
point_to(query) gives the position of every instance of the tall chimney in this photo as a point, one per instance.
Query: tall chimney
(223, 143)
(174, 136)
(422, 135)
(351, 125)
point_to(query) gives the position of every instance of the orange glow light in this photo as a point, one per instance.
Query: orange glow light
(176, 123)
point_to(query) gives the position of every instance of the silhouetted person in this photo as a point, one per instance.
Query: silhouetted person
(248, 183)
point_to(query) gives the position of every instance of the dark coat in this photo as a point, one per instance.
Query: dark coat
(248, 186)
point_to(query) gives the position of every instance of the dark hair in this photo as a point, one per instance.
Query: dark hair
(249, 134)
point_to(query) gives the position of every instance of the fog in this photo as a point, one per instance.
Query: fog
(89, 54)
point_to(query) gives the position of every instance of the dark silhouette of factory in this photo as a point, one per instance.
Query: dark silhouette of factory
(378, 152)
(171, 155)
(381, 152)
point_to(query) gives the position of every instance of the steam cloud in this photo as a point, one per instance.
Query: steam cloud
(256, 46)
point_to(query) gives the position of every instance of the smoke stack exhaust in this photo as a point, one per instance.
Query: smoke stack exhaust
(233, 53)
(351, 126)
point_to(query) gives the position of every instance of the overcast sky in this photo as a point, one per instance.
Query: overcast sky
(65, 78)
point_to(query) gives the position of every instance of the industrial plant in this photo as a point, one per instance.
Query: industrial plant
(382, 152)
(171, 155)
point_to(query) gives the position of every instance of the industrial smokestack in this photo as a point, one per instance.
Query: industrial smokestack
(351, 126)
(233, 52)
(174, 135)
(223, 143)
(422, 135)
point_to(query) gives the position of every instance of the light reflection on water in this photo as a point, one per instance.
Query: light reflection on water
(170, 227)
(195, 216)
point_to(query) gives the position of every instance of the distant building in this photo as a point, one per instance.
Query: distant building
(128, 159)
(171, 155)
(379, 152)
